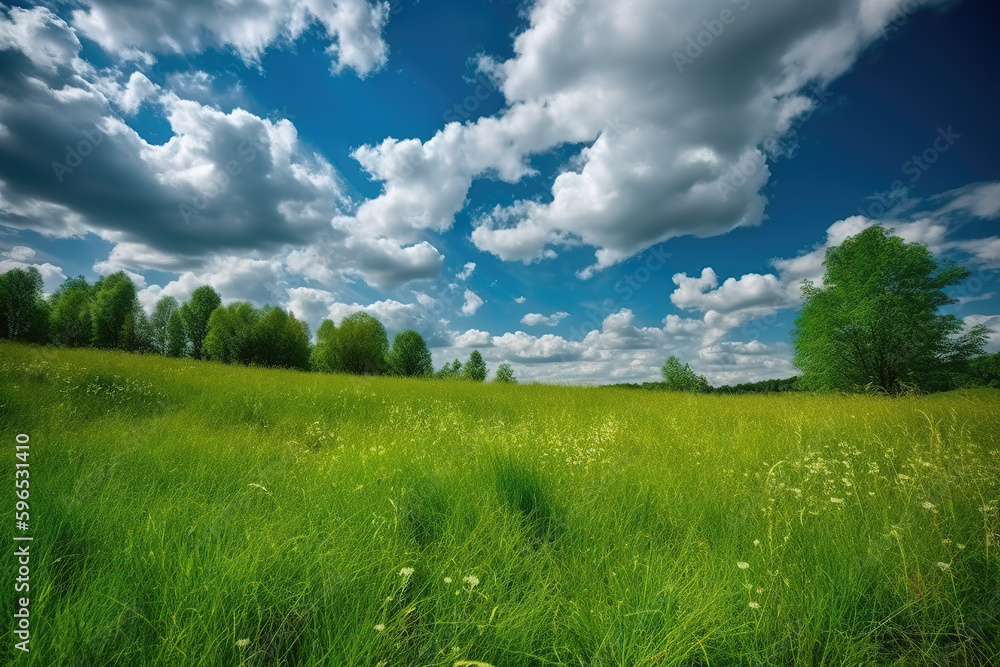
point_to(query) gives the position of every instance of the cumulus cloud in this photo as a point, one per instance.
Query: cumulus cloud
(223, 184)
(353, 28)
(472, 303)
(662, 151)
(534, 319)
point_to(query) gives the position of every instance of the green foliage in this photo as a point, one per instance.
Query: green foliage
(177, 342)
(23, 312)
(450, 371)
(326, 356)
(229, 336)
(160, 322)
(984, 371)
(271, 337)
(682, 378)
(409, 356)
(875, 322)
(116, 316)
(69, 317)
(475, 368)
(196, 312)
(505, 375)
(280, 340)
(363, 344)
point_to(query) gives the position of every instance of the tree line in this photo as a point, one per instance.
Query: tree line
(108, 315)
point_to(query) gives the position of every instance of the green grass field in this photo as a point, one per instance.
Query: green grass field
(188, 513)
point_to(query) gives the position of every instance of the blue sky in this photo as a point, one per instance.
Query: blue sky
(580, 188)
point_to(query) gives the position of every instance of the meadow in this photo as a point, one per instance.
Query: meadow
(193, 513)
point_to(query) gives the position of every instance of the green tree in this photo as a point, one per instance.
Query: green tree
(160, 322)
(875, 322)
(24, 314)
(409, 356)
(115, 314)
(280, 340)
(325, 356)
(229, 336)
(69, 317)
(475, 367)
(505, 375)
(177, 342)
(681, 378)
(363, 344)
(203, 302)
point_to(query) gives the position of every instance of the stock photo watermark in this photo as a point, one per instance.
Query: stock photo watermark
(22, 543)
(714, 27)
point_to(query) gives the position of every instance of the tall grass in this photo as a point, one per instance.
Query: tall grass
(190, 513)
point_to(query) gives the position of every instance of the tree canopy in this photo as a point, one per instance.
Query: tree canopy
(681, 378)
(24, 314)
(363, 344)
(875, 322)
(409, 356)
(475, 367)
(504, 375)
(116, 316)
(196, 312)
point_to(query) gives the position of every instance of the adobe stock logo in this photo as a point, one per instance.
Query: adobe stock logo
(75, 155)
(697, 44)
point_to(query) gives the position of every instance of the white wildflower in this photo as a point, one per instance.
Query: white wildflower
(743, 565)
(472, 580)
(754, 605)
(380, 627)
(944, 566)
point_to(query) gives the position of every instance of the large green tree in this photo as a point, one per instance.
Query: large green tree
(229, 336)
(116, 316)
(203, 302)
(280, 340)
(24, 313)
(875, 322)
(69, 317)
(363, 344)
(409, 356)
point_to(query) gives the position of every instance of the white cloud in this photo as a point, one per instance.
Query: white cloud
(472, 338)
(662, 153)
(223, 184)
(520, 299)
(472, 303)
(353, 28)
(751, 292)
(466, 272)
(534, 319)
